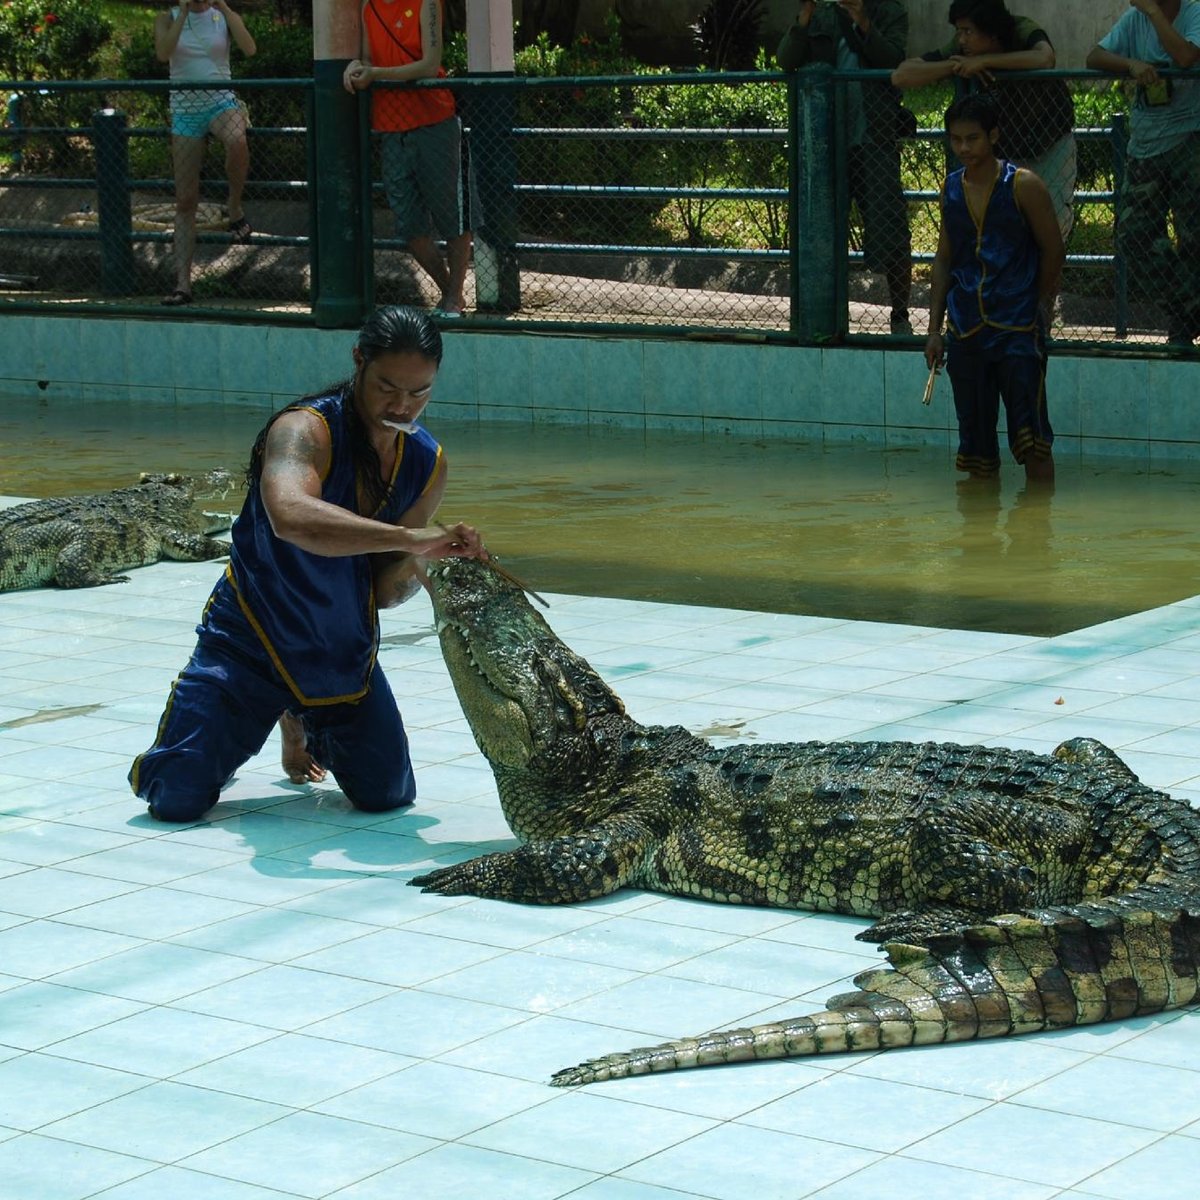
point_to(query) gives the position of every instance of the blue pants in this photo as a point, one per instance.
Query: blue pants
(984, 377)
(222, 707)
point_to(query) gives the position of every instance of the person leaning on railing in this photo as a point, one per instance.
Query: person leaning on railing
(195, 38)
(421, 138)
(1037, 116)
(852, 35)
(1163, 174)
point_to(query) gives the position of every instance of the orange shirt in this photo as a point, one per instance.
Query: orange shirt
(397, 43)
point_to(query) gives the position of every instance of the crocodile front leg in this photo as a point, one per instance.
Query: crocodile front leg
(560, 870)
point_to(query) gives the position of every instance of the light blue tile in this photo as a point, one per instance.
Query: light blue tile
(1039, 1146)
(1170, 395)
(863, 1112)
(195, 352)
(458, 1170)
(165, 1121)
(152, 912)
(36, 949)
(1169, 1040)
(633, 944)
(309, 1154)
(1166, 1096)
(53, 1170)
(438, 1100)
(398, 957)
(790, 386)
(1122, 412)
(612, 376)
(156, 973)
(1062, 400)
(273, 935)
(933, 1181)
(35, 1015)
(1166, 1168)
(283, 997)
(624, 1189)
(737, 1162)
(418, 1023)
(38, 1088)
(303, 1071)
(994, 1069)
(175, 1181)
(160, 1042)
(853, 388)
(532, 982)
(671, 381)
(505, 380)
(532, 1049)
(588, 1132)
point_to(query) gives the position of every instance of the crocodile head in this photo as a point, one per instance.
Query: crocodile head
(522, 690)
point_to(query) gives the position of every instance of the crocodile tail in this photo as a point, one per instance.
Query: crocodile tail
(1012, 974)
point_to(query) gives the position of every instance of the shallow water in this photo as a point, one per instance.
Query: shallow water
(849, 532)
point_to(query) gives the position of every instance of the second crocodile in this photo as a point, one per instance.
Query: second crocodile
(87, 540)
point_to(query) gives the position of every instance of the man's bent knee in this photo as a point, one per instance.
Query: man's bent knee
(176, 809)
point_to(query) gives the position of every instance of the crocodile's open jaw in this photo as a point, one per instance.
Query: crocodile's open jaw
(520, 687)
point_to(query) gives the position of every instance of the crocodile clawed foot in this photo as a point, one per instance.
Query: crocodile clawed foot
(916, 928)
(446, 881)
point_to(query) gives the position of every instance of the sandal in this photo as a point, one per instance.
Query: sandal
(240, 230)
(176, 299)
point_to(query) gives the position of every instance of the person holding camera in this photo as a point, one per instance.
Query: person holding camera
(1163, 174)
(195, 39)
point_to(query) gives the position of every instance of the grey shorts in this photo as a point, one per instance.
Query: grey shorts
(422, 178)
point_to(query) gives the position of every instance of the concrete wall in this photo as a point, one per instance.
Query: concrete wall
(1138, 409)
(1074, 25)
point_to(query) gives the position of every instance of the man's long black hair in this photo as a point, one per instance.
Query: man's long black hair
(394, 329)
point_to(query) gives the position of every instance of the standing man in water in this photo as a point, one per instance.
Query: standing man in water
(343, 485)
(995, 275)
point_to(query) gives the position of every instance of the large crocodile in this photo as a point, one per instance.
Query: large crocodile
(1013, 891)
(88, 540)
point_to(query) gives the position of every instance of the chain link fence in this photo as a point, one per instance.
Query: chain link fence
(88, 187)
(660, 202)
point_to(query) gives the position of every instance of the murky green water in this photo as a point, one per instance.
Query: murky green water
(863, 533)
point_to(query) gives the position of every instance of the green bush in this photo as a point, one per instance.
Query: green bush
(51, 39)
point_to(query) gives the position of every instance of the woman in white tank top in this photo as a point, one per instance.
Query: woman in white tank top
(195, 38)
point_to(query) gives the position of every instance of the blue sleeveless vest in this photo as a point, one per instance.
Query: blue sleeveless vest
(994, 265)
(314, 615)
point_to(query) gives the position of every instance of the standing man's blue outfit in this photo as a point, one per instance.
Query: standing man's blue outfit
(292, 627)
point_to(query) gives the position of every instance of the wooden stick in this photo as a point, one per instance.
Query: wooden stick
(933, 374)
(513, 579)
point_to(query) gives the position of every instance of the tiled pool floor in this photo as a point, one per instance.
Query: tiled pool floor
(257, 1006)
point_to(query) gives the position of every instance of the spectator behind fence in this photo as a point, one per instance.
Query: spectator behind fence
(421, 143)
(995, 275)
(1163, 172)
(852, 35)
(1037, 117)
(195, 39)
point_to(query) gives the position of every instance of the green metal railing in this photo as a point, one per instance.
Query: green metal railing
(550, 186)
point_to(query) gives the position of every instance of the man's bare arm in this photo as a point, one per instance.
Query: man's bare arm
(294, 460)
(1037, 207)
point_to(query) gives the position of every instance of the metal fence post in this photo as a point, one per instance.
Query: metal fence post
(114, 208)
(814, 246)
(493, 171)
(339, 282)
(1120, 139)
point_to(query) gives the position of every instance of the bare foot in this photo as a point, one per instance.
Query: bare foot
(298, 764)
